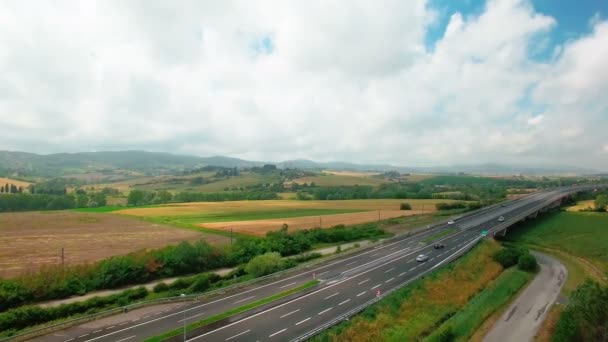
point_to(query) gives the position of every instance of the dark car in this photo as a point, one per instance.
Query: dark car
(438, 246)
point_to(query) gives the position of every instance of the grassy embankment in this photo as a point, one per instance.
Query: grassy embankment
(578, 240)
(232, 312)
(415, 311)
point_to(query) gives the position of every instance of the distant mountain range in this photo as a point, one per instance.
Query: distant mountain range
(154, 163)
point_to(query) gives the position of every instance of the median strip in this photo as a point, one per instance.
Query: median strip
(231, 312)
(439, 235)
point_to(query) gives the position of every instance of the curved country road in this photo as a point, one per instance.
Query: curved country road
(523, 318)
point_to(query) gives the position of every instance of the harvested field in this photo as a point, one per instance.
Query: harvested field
(327, 179)
(582, 205)
(32, 239)
(260, 227)
(276, 206)
(17, 183)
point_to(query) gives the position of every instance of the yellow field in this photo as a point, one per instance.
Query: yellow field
(261, 227)
(196, 208)
(582, 205)
(340, 180)
(350, 173)
(17, 183)
(417, 177)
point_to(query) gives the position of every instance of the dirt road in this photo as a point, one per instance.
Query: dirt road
(522, 320)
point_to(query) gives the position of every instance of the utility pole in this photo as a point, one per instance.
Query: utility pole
(62, 258)
(378, 215)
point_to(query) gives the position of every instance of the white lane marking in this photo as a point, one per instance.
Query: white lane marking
(128, 338)
(302, 321)
(287, 314)
(157, 313)
(135, 320)
(350, 263)
(244, 299)
(373, 255)
(376, 286)
(69, 340)
(393, 248)
(83, 335)
(187, 318)
(344, 302)
(390, 269)
(324, 311)
(237, 335)
(145, 317)
(335, 294)
(322, 273)
(431, 259)
(110, 327)
(365, 281)
(288, 285)
(389, 280)
(400, 274)
(276, 333)
(123, 323)
(315, 292)
(96, 331)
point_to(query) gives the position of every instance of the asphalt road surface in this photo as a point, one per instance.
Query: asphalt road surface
(346, 283)
(523, 318)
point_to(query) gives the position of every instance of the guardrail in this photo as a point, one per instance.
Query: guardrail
(373, 301)
(106, 313)
(195, 297)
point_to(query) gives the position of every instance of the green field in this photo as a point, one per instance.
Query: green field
(579, 240)
(466, 321)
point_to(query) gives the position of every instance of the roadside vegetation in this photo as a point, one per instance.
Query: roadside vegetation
(439, 306)
(577, 239)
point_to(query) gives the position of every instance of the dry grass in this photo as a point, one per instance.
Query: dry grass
(261, 227)
(197, 208)
(582, 205)
(547, 328)
(424, 305)
(417, 177)
(30, 240)
(17, 183)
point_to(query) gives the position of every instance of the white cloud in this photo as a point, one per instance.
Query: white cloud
(347, 82)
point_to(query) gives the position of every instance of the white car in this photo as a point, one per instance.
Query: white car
(501, 219)
(422, 258)
(451, 222)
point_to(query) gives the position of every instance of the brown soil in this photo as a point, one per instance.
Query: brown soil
(260, 227)
(32, 239)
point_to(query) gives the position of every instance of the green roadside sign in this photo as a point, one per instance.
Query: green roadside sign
(484, 232)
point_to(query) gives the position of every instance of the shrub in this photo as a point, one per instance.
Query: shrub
(447, 335)
(265, 264)
(527, 262)
(160, 287)
(508, 257)
(200, 284)
(405, 206)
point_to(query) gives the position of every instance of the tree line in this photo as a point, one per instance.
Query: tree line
(142, 197)
(10, 189)
(30, 202)
(55, 282)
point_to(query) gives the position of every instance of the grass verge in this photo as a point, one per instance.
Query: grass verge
(231, 312)
(414, 311)
(466, 321)
(439, 235)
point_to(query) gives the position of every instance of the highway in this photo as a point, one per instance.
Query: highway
(346, 283)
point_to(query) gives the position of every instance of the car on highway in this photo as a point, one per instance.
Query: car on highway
(422, 258)
(451, 222)
(501, 219)
(438, 245)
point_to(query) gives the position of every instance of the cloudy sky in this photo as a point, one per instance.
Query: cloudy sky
(404, 82)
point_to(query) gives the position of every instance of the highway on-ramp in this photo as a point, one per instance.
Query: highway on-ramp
(347, 283)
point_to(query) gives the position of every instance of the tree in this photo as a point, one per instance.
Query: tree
(265, 264)
(405, 206)
(82, 201)
(527, 262)
(136, 197)
(98, 199)
(601, 202)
